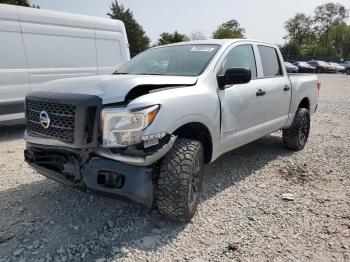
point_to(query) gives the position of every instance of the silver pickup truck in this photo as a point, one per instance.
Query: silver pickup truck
(145, 132)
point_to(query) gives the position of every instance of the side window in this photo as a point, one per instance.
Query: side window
(270, 61)
(240, 57)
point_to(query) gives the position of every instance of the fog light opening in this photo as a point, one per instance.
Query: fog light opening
(110, 179)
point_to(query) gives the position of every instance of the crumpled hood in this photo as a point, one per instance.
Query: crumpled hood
(112, 88)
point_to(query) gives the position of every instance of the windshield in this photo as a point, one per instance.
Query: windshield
(178, 60)
(303, 64)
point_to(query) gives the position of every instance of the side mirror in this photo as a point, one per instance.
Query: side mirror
(234, 76)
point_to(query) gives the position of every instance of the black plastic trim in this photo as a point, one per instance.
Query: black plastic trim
(137, 186)
(8, 108)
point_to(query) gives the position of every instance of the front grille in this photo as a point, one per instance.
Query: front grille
(62, 119)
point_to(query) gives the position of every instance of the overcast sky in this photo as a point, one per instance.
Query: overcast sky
(263, 20)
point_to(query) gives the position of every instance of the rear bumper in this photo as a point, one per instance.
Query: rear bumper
(98, 174)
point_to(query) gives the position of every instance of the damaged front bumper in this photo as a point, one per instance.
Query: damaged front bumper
(146, 160)
(98, 174)
(98, 170)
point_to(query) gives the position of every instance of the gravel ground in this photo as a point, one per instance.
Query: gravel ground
(260, 203)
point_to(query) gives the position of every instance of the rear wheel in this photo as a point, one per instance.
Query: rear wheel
(179, 183)
(348, 71)
(296, 136)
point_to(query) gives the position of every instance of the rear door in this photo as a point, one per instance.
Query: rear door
(13, 66)
(277, 88)
(242, 111)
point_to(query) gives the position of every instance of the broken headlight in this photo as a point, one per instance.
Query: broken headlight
(122, 127)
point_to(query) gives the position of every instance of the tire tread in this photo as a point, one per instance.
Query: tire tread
(174, 178)
(290, 135)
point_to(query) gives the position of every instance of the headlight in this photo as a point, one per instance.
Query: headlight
(122, 127)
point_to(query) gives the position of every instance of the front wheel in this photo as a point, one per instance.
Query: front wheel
(179, 182)
(295, 137)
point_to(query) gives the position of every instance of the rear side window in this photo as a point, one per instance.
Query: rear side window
(240, 57)
(270, 61)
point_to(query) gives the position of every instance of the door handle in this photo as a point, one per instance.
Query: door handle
(286, 88)
(260, 93)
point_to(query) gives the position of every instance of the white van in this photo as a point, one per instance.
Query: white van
(37, 46)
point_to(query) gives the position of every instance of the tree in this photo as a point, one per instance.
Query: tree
(323, 34)
(329, 14)
(291, 48)
(197, 35)
(346, 47)
(168, 38)
(19, 2)
(230, 29)
(138, 40)
(339, 39)
(300, 30)
(16, 2)
(325, 17)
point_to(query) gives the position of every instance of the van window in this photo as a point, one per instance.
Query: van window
(270, 61)
(240, 57)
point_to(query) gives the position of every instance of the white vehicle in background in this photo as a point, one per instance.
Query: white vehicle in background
(339, 68)
(291, 68)
(37, 46)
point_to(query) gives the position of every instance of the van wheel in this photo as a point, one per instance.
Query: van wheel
(295, 137)
(348, 71)
(180, 178)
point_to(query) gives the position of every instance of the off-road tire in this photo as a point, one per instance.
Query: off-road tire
(179, 183)
(295, 137)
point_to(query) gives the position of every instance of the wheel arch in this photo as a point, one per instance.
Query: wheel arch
(304, 103)
(200, 132)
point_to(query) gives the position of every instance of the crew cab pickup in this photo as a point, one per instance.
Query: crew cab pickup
(145, 132)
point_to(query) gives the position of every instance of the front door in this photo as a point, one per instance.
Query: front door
(241, 105)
